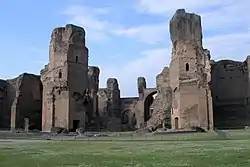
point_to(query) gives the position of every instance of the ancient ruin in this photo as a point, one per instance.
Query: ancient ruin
(194, 91)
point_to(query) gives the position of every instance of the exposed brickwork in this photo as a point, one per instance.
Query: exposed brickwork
(192, 91)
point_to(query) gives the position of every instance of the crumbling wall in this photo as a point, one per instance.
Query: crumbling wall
(93, 78)
(141, 85)
(109, 105)
(4, 114)
(230, 92)
(161, 116)
(66, 100)
(140, 105)
(93, 75)
(113, 93)
(25, 101)
(128, 113)
(188, 78)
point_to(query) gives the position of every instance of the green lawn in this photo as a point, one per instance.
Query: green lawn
(189, 150)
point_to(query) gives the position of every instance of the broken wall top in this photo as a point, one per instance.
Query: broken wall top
(162, 79)
(3, 83)
(93, 71)
(70, 34)
(141, 81)
(185, 26)
(112, 84)
(3, 88)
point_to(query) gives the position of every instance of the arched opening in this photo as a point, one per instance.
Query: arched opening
(60, 74)
(147, 106)
(125, 117)
(187, 67)
(176, 123)
(76, 59)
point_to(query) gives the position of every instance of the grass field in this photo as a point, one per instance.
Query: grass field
(189, 150)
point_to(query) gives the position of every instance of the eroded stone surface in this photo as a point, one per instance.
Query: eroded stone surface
(72, 99)
(4, 115)
(188, 75)
(109, 105)
(24, 101)
(161, 116)
(230, 89)
(66, 101)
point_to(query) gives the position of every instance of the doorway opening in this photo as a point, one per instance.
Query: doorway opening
(76, 124)
(147, 106)
(176, 122)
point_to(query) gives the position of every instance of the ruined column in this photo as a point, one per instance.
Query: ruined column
(208, 72)
(93, 75)
(26, 125)
(188, 78)
(67, 75)
(114, 97)
(141, 85)
(3, 104)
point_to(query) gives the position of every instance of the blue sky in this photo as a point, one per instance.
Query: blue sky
(126, 39)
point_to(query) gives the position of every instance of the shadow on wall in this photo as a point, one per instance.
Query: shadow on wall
(147, 105)
(230, 94)
(25, 101)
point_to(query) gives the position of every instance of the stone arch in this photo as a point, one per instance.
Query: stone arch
(133, 121)
(60, 74)
(125, 116)
(148, 101)
(187, 67)
(128, 118)
(176, 123)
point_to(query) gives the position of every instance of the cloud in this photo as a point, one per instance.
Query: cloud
(150, 34)
(151, 62)
(164, 7)
(217, 17)
(89, 18)
(226, 34)
(148, 65)
(230, 46)
(227, 18)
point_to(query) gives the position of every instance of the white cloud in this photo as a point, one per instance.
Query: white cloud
(230, 46)
(150, 34)
(166, 7)
(148, 65)
(229, 17)
(151, 62)
(89, 19)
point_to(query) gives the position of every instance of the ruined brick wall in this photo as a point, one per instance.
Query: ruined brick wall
(230, 89)
(128, 113)
(109, 105)
(65, 80)
(161, 116)
(93, 75)
(25, 101)
(4, 114)
(114, 97)
(188, 78)
(141, 85)
(144, 109)
(103, 107)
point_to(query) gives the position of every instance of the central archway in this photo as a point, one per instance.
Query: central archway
(147, 105)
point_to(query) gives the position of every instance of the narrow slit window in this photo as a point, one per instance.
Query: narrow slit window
(187, 67)
(60, 74)
(76, 59)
